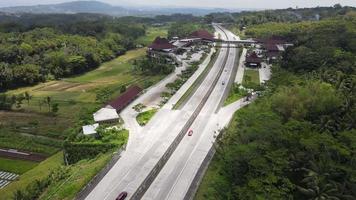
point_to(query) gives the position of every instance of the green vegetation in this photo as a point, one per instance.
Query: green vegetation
(297, 140)
(80, 174)
(151, 66)
(40, 172)
(151, 34)
(198, 81)
(184, 29)
(144, 117)
(236, 93)
(16, 166)
(249, 18)
(251, 78)
(49, 54)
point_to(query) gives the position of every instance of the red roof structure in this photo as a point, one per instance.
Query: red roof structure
(161, 44)
(271, 47)
(253, 58)
(126, 98)
(203, 34)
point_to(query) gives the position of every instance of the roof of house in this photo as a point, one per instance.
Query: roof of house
(271, 47)
(253, 58)
(105, 114)
(90, 129)
(160, 44)
(203, 34)
(124, 99)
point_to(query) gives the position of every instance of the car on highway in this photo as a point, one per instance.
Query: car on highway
(122, 196)
(223, 83)
(190, 132)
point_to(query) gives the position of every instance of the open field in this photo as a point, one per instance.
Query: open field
(72, 95)
(33, 128)
(251, 76)
(41, 171)
(151, 34)
(16, 166)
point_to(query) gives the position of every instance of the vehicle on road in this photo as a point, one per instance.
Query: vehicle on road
(122, 196)
(223, 83)
(190, 132)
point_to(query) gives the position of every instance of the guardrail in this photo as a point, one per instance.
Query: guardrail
(163, 160)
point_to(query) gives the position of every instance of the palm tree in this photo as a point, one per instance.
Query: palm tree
(48, 101)
(28, 97)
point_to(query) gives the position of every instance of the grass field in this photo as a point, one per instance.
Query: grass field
(33, 128)
(151, 34)
(16, 166)
(81, 173)
(235, 94)
(72, 94)
(251, 76)
(41, 171)
(144, 117)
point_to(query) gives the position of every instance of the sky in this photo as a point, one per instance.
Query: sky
(258, 4)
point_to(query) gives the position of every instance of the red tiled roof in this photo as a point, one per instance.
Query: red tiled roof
(253, 58)
(203, 34)
(161, 43)
(123, 100)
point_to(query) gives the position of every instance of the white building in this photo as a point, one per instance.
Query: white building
(106, 115)
(90, 129)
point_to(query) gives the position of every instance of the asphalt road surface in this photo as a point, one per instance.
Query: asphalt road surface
(141, 159)
(177, 175)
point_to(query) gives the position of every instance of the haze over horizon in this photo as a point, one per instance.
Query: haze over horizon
(232, 4)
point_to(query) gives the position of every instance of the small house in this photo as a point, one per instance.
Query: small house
(253, 61)
(106, 115)
(90, 130)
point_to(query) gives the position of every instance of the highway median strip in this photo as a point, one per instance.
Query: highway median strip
(181, 102)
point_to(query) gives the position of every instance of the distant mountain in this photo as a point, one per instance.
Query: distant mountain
(104, 8)
(70, 7)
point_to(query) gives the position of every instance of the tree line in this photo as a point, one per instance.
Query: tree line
(45, 53)
(298, 140)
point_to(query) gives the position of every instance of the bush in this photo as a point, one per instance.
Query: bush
(74, 152)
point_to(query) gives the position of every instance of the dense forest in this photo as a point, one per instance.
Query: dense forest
(248, 18)
(298, 140)
(41, 47)
(53, 52)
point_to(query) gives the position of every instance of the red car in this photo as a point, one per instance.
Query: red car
(122, 196)
(190, 133)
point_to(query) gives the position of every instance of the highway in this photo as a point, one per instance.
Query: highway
(175, 178)
(142, 163)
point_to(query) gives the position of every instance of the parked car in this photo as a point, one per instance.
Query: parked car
(122, 196)
(190, 132)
